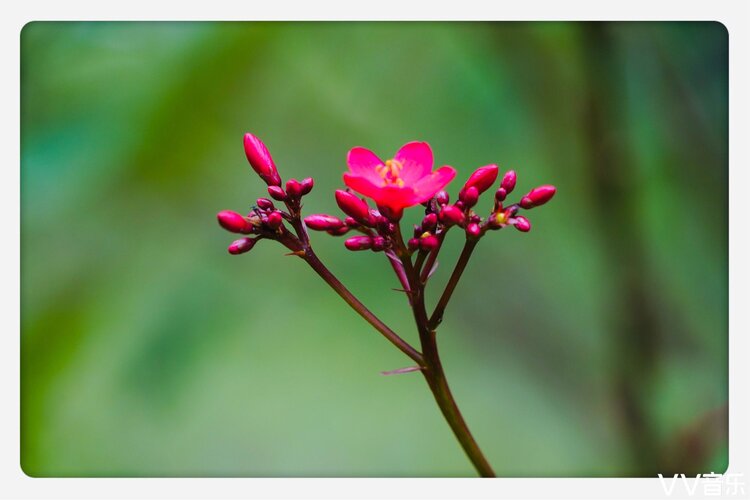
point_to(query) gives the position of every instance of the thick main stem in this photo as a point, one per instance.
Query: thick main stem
(433, 368)
(435, 377)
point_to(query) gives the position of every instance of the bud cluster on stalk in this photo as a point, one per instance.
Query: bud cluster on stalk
(376, 228)
(265, 220)
(442, 215)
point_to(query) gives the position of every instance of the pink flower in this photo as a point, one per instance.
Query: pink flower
(404, 181)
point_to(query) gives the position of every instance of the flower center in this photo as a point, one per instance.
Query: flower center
(390, 172)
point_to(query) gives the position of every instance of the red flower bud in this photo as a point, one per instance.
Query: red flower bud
(469, 196)
(500, 194)
(261, 161)
(293, 188)
(508, 182)
(339, 231)
(451, 214)
(234, 222)
(473, 230)
(241, 246)
(352, 206)
(274, 220)
(323, 222)
(413, 243)
(277, 193)
(482, 178)
(378, 244)
(522, 224)
(307, 185)
(428, 243)
(356, 243)
(442, 198)
(429, 222)
(264, 203)
(538, 196)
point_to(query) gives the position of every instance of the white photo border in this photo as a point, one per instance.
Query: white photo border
(734, 15)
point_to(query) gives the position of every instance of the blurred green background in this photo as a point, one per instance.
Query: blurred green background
(596, 344)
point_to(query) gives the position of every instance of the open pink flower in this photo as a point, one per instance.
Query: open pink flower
(402, 182)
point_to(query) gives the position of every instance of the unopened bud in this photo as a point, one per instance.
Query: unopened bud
(473, 230)
(522, 224)
(378, 244)
(323, 222)
(508, 182)
(339, 231)
(241, 246)
(413, 243)
(442, 198)
(356, 243)
(469, 196)
(428, 242)
(482, 178)
(264, 203)
(429, 222)
(352, 206)
(234, 222)
(538, 196)
(501, 194)
(293, 188)
(274, 220)
(451, 214)
(277, 193)
(307, 185)
(261, 161)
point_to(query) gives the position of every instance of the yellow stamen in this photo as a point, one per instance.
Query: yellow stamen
(390, 172)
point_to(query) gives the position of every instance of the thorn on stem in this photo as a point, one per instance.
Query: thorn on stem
(398, 371)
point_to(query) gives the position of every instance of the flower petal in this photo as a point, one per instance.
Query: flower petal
(416, 158)
(362, 185)
(396, 198)
(363, 162)
(426, 187)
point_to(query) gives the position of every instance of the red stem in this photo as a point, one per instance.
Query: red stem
(433, 369)
(463, 259)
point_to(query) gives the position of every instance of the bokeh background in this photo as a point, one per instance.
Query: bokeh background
(595, 345)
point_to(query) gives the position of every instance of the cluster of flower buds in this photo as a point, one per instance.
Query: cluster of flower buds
(264, 219)
(376, 229)
(503, 216)
(393, 185)
(441, 215)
